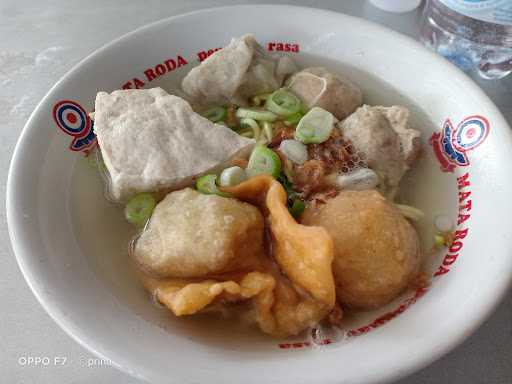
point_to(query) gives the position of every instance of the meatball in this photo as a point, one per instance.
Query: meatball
(193, 235)
(317, 87)
(370, 132)
(376, 250)
(231, 75)
(398, 117)
(383, 134)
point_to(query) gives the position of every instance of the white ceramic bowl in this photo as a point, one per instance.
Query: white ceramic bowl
(72, 245)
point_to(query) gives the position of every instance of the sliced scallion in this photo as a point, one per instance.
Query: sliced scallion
(215, 114)
(263, 161)
(256, 114)
(207, 184)
(283, 103)
(294, 150)
(139, 209)
(232, 176)
(294, 119)
(297, 208)
(315, 127)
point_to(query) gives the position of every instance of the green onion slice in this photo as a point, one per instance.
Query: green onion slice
(256, 114)
(207, 184)
(139, 209)
(294, 119)
(263, 161)
(297, 208)
(294, 150)
(283, 103)
(315, 127)
(215, 114)
(232, 176)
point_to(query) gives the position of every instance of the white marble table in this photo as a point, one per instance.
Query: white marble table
(39, 42)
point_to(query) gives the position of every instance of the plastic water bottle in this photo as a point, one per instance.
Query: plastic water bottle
(472, 34)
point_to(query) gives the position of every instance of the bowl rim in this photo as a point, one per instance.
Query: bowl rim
(15, 225)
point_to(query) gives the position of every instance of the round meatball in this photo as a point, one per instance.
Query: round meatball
(370, 132)
(376, 250)
(410, 139)
(193, 235)
(317, 87)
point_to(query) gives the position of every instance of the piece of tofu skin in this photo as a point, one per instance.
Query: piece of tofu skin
(151, 141)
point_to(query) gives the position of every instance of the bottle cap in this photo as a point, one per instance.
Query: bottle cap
(397, 6)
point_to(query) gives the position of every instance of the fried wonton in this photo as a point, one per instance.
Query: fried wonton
(191, 234)
(286, 302)
(304, 253)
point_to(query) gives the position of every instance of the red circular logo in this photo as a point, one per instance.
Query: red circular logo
(71, 118)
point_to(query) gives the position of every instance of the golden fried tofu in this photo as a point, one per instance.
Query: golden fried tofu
(376, 250)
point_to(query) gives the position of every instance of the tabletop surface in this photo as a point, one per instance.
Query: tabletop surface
(40, 41)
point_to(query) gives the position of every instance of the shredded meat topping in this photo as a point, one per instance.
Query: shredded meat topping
(282, 132)
(337, 154)
(309, 177)
(238, 161)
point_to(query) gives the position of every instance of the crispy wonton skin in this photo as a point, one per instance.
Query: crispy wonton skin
(376, 250)
(303, 253)
(189, 296)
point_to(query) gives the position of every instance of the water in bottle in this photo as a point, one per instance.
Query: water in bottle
(473, 34)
